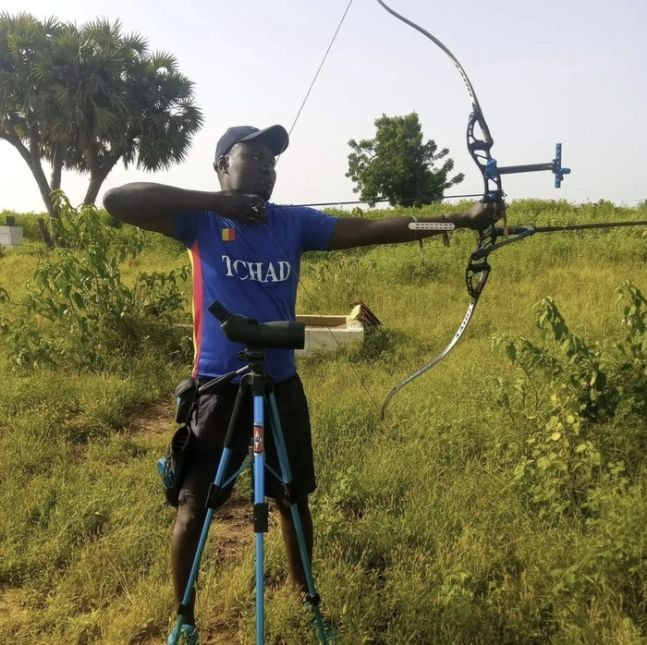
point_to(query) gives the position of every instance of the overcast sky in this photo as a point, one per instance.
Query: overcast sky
(547, 71)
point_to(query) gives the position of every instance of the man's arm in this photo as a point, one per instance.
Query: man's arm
(351, 232)
(154, 206)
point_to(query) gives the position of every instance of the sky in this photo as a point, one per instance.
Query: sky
(546, 71)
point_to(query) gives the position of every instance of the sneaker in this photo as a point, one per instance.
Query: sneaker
(188, 636)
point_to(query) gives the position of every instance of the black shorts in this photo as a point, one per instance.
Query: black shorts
(209, 423)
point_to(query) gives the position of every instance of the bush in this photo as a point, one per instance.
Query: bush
(79, 310)
(570, 394)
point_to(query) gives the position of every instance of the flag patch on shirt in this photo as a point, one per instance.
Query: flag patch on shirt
(228, 234)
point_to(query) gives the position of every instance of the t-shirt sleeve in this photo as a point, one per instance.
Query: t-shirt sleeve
(185, 227)
(317, 229)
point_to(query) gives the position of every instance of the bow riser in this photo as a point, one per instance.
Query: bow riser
(479, 150)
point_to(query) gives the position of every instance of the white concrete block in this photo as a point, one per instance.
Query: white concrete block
(10, 235)
(330, 333)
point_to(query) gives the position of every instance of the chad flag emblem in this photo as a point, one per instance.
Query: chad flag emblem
(228, 234)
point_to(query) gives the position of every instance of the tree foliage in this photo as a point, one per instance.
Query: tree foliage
(85, 97)
(397, 166)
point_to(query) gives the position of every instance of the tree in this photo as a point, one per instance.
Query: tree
(397, 166)
(84, 98)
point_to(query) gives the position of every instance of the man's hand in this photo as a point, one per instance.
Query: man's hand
(482, 214)
(247, 209)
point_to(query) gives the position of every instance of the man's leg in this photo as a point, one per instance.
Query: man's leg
(209, 425)
(294, 420)
(186, 535)
(297, 574)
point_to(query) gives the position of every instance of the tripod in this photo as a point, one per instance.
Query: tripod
(261, 386)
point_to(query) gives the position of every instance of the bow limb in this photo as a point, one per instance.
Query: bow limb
(424, 32)
(476, 276)
(439, 357)
(479, 148)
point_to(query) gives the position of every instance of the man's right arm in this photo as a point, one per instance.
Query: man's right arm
(154, 206)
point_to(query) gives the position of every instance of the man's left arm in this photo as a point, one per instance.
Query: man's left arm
(350, 232)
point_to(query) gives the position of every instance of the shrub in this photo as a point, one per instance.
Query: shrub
(569, 395)
(79, 311)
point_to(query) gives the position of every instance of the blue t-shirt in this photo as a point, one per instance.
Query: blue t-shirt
(251, 269)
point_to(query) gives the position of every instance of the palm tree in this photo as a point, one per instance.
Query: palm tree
(24, 103)
(96, 96)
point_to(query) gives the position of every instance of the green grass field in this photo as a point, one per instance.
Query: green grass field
(460, 518)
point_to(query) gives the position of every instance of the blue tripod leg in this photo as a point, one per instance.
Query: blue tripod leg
(286, 475)
(260, 510)
(214, 498)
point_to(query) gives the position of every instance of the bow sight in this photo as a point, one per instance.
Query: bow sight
(555, 166)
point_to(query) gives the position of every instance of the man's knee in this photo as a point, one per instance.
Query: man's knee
(190, 517)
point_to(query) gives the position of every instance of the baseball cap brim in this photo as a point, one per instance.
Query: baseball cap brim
(275, 138)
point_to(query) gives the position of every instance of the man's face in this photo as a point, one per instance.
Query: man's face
(248, 168)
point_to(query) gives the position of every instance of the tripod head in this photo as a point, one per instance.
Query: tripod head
(280, 334)
(257, 337)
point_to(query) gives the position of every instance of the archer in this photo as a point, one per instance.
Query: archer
(246, 253)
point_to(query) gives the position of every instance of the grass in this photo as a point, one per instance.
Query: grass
(422, 535)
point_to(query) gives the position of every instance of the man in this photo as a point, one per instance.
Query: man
(246, 253)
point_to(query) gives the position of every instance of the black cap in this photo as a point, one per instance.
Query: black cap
(275, 137)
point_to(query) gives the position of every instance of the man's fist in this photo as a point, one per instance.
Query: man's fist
(482, 214)
(248, 209)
